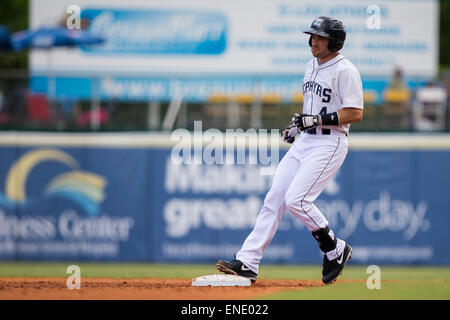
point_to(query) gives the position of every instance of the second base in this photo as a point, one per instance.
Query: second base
(221, 280)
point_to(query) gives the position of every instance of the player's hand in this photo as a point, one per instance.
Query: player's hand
(305, 121)
(288, 134)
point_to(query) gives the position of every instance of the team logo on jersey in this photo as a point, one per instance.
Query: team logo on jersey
(81, 187)
(324, 93)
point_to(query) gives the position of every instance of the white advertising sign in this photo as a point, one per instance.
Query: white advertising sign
(240, 37)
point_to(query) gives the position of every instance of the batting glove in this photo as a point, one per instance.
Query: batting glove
(288, 134)
(305, 121)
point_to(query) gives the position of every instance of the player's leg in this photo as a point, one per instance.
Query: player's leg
(267, 221)
(324, 158)
(321, 160)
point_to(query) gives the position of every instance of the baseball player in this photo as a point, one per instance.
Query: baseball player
(333, 99)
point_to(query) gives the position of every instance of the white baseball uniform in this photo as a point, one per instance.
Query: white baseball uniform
(312, 160)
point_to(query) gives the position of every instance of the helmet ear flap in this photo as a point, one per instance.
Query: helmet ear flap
(335, 45)
(332, 45)
(310, 41)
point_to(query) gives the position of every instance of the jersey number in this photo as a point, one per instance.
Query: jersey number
(323, 110)
(326, 93)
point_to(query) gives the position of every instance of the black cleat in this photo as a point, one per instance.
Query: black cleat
(236, 267)
(333, 269)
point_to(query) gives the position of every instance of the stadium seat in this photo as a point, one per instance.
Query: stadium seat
(397, 96)
(38, 108)
(3, 117)
(369, 96)
(271, 109)
(86, 117)
(396, 111)
(297, 98)
(221, 111)
(272, 98)
(244, 98)
(216, 98)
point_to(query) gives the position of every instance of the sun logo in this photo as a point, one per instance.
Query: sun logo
(84, 188)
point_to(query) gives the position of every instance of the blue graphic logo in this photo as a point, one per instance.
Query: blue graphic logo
(157, 31)
(84, 188)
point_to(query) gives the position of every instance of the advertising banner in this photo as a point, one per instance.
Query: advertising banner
(112, 200)
(160, 49)
(250, 37)
(59, 203)
(380, 202)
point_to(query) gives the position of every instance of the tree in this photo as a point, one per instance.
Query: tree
(14, 15)
(444, 46)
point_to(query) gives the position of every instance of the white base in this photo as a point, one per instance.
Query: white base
(221, 280)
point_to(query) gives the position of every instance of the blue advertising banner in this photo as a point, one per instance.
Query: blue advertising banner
(134, 203)
(391, 206)
(68, 203)
(191, 89)
(158, 31)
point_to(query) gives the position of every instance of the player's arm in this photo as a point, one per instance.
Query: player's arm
(349, 115)
(342, 116)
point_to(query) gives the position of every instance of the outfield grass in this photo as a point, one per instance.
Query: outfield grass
(105, 270)
(396, 282)
(390, 290)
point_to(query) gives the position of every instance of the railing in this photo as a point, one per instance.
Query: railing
(21, 109)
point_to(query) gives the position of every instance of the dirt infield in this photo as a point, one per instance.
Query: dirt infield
(138, 289)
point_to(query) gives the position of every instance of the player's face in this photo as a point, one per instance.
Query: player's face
(319, 46)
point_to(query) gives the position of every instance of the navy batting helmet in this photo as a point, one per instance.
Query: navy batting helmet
(329, 28)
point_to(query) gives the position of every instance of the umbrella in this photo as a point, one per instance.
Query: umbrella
(49, 37)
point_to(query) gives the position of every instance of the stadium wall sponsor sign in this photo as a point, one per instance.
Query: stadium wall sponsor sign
(251, 37)
(103, 200)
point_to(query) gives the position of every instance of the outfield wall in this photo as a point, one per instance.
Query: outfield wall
(121, 197)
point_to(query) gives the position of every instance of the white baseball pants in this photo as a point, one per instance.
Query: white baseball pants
(301, 176)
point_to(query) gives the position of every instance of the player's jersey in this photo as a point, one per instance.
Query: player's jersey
(330, 86)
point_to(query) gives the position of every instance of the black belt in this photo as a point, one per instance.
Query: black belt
(314, 131)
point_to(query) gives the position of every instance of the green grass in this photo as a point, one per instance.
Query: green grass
(396, 290)
(397, 282)
(105, 270)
